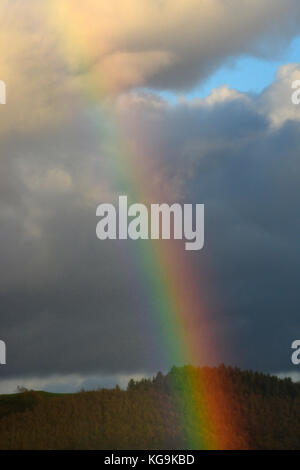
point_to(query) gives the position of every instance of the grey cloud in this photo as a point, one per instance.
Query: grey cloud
(175, 44)
(71, 304)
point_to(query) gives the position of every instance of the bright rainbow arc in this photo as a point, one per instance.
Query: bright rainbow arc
(175, 295)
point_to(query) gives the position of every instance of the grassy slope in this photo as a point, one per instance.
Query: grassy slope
(20, 402)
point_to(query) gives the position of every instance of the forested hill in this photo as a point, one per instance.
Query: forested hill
(158, 414)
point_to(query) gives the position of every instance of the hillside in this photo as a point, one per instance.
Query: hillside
(154, 414)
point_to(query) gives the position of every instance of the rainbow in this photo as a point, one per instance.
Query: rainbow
(179, 309)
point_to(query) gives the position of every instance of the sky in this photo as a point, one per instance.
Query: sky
(181, 98)
(248, 74)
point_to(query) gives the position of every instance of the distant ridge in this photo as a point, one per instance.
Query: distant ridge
(147, 415)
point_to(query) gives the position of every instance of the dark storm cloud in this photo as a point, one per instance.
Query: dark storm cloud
(246, 170)
(68, 303)
(71, 304)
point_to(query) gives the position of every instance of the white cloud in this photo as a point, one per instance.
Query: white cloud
(69, 383)
(294, 375)
(276, 101)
